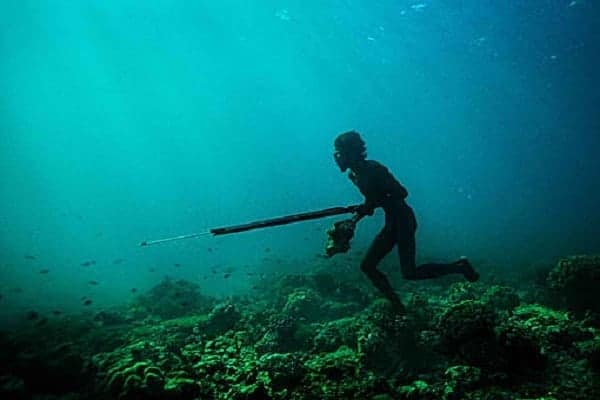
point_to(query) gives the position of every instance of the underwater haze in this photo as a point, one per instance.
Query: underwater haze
(123, 121)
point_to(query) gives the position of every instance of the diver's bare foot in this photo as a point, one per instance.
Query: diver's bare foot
(468, 271)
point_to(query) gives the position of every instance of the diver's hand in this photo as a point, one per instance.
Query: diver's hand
(364, 209)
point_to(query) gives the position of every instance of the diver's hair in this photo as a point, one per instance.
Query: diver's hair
(352, 144)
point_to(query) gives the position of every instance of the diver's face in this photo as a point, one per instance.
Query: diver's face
(341, 160)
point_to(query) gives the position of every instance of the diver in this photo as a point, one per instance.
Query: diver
(381, 189)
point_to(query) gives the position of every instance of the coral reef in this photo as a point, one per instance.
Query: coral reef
(576, 280)
(316, 336)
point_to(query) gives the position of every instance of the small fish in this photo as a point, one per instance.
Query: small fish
(185, 303)
(249, 273)
(418, 7)
(209, 249)
(177, 265)
(152, 269)
(56, 312)
(28, 257)
(267, 249)
(92, 282)
(118, 261)
(17, 290)
(133, 290)
(87, 302)
(88, 263)
(205, 277)
(214, 271)
(44, 271)
(42, 321)
(226, 275)
(31, 315)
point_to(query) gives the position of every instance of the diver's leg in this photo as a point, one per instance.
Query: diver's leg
(407, 250)
(383, 243)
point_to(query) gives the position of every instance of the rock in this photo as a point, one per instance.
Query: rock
(590, 350)
(284, 370)
(222, 318)
(418, 390)
(460, 379)
(577, 280)
(343, 363)
(467, 331)
(331, 335)
(181, 388)
(501, 298)
(303, 304)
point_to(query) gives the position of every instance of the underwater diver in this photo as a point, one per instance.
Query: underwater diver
(381, 189)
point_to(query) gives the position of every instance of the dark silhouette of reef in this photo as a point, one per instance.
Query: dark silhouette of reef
(318, 336)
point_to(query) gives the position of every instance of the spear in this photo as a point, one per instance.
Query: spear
(265, 223)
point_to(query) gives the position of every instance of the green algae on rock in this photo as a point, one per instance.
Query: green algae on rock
(576, 280)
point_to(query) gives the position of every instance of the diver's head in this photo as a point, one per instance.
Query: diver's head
(350, 150)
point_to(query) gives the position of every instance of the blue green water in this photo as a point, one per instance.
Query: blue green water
(122, 121)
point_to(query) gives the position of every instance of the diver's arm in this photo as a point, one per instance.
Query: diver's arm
(390, 185)
(357, 217)
(367, 208)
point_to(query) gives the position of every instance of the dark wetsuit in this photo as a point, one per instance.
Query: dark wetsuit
(381, 189)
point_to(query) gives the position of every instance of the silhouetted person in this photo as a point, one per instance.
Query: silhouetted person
(381, 189)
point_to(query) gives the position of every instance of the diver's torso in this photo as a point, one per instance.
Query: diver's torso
(377, 183)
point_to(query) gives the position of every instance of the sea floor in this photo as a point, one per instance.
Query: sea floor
(534, 334)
